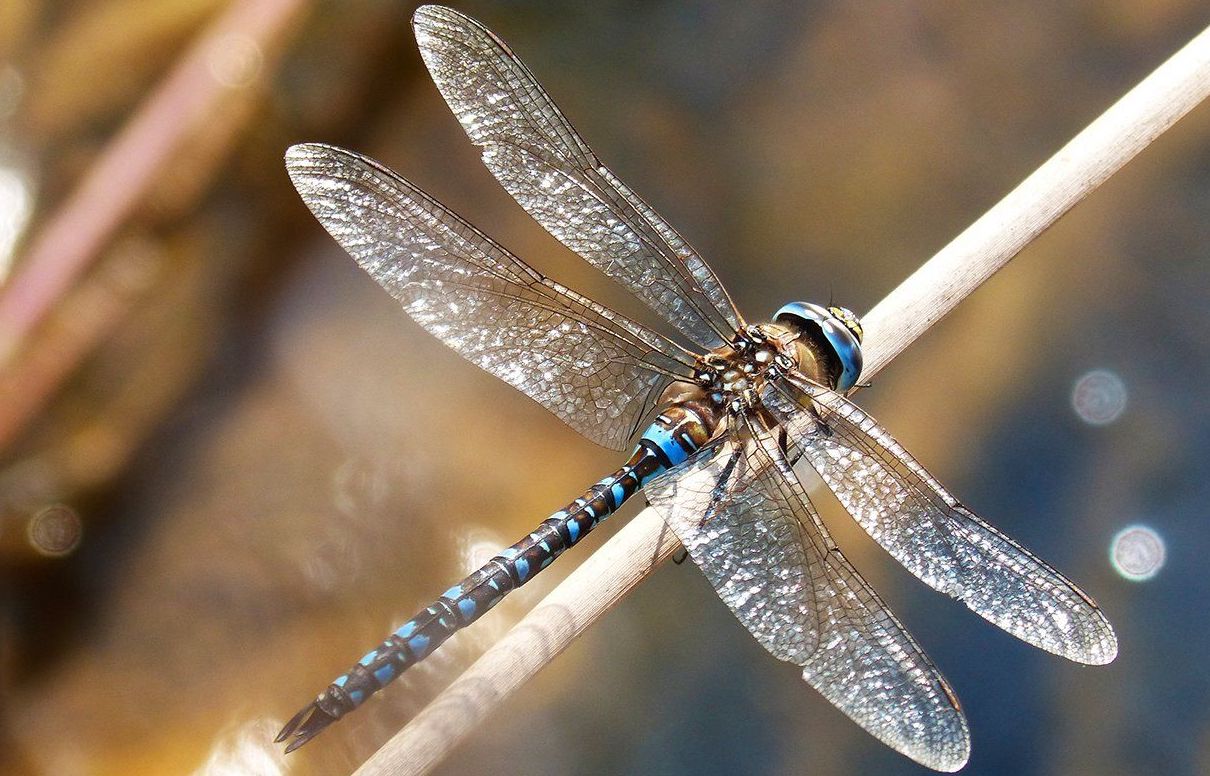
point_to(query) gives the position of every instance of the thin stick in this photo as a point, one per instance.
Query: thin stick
(73, 237)
(906, 313)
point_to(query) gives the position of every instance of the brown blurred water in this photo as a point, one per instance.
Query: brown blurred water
(251, 466)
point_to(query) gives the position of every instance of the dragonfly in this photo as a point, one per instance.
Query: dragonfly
(722, 409)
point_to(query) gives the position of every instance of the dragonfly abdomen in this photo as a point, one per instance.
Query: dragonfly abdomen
(675, 435)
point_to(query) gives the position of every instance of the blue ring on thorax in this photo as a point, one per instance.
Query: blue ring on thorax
(662, 437)
(844, 343)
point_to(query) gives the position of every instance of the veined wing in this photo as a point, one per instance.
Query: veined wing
(596, 370)
(740, 511)
(928, 531)
(537, 156)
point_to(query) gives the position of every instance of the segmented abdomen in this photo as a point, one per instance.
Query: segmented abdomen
(675, 435)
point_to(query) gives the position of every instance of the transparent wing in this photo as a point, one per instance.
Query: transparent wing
(936, 538)
(537, 156)
(740, 511)
(596, 370)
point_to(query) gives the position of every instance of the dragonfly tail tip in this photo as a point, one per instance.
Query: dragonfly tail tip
(304, 726)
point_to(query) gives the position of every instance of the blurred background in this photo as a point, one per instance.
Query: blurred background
(229, 464)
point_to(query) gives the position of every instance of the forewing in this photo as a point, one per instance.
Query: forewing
(597, 371)
(934, 536)
(543, 163)
(740, 511)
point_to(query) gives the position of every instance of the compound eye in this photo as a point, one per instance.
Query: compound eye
(849, 319)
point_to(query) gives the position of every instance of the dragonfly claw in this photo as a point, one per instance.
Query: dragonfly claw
(304, 726)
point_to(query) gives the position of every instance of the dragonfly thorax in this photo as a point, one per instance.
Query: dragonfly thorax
(733, 375)
(833, 334)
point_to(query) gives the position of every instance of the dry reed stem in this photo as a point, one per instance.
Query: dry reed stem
(907, 312)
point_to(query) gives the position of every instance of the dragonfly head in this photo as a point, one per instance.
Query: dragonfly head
(836, 329)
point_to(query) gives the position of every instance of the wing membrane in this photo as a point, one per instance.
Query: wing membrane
(597, 371)
(934, 536)
(543, 163)
(744, 518)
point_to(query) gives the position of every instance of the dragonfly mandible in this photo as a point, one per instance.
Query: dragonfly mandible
(729, 407)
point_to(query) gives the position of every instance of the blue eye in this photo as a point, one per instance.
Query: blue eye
(842, 331)
(849, 319)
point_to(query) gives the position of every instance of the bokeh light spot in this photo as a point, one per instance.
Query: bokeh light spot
(359, 487)
(246, 750)
(476, 547)
(1099, 397)
(235, 60)
(1137, 552)
(15, 208)
(54, 531)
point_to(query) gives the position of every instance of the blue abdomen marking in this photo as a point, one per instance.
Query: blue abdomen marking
(667, 442)
(662, 437)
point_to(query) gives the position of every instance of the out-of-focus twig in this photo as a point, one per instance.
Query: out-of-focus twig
(905, 314)
(96, 306)
(155, 357)
(71, 238)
